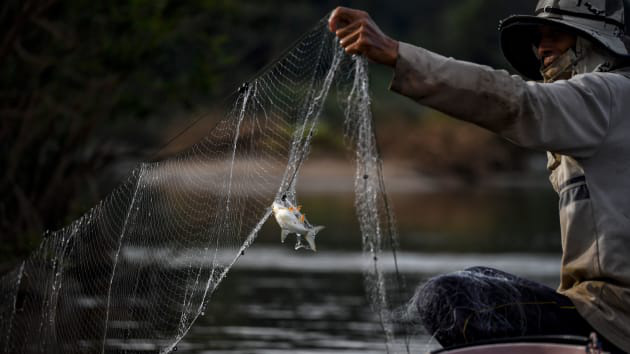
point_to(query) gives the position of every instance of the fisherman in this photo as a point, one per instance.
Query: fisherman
(576, 106)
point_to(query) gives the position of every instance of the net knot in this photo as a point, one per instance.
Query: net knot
(243, 88)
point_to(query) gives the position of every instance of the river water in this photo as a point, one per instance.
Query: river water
(277, 300)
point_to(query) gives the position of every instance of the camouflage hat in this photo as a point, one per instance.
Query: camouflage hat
(601, 21)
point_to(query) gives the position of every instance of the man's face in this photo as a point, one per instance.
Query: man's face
(553, 43)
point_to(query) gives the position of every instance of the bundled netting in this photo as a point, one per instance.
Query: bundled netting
(139, 268)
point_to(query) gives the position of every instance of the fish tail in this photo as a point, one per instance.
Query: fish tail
(310, 237)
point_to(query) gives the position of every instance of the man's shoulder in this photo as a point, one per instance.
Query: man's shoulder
(617, 78)
(624, 71)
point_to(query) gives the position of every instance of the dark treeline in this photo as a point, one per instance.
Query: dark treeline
(86, 84)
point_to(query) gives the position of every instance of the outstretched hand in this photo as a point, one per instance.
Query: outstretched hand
(358, 34)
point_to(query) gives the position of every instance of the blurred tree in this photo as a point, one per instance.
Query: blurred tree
(469, 29)
(71, 71)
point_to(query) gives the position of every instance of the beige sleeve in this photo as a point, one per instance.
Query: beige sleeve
(568, 117)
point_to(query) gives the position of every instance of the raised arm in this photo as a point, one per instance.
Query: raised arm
(569, 117)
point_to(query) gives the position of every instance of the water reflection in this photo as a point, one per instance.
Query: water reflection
(521, 220)
(277, 300)
(276, 312)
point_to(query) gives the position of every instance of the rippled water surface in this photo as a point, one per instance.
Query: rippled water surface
(277, 300)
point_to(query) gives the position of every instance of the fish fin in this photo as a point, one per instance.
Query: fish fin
(298, 243)
(291, 209)
(284, 234)
(302, 217)
(299, 207)
(310, 237)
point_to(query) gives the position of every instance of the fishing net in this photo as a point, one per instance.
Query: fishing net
(140, 267)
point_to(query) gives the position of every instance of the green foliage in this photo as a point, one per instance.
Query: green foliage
(71, 71)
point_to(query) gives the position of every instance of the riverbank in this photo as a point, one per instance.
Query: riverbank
(326, 175)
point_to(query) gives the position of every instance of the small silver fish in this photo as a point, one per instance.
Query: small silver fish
(291, 220)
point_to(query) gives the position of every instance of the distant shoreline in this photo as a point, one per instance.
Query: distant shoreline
(325, 175)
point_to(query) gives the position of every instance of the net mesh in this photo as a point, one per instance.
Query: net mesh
(141, 266)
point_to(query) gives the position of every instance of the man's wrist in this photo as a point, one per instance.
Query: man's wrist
(392, 53)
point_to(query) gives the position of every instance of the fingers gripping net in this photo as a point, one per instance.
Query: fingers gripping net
(141, 266)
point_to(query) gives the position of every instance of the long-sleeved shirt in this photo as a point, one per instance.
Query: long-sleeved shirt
(584, 124)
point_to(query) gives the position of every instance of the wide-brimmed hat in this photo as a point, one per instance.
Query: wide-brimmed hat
(604, 22)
